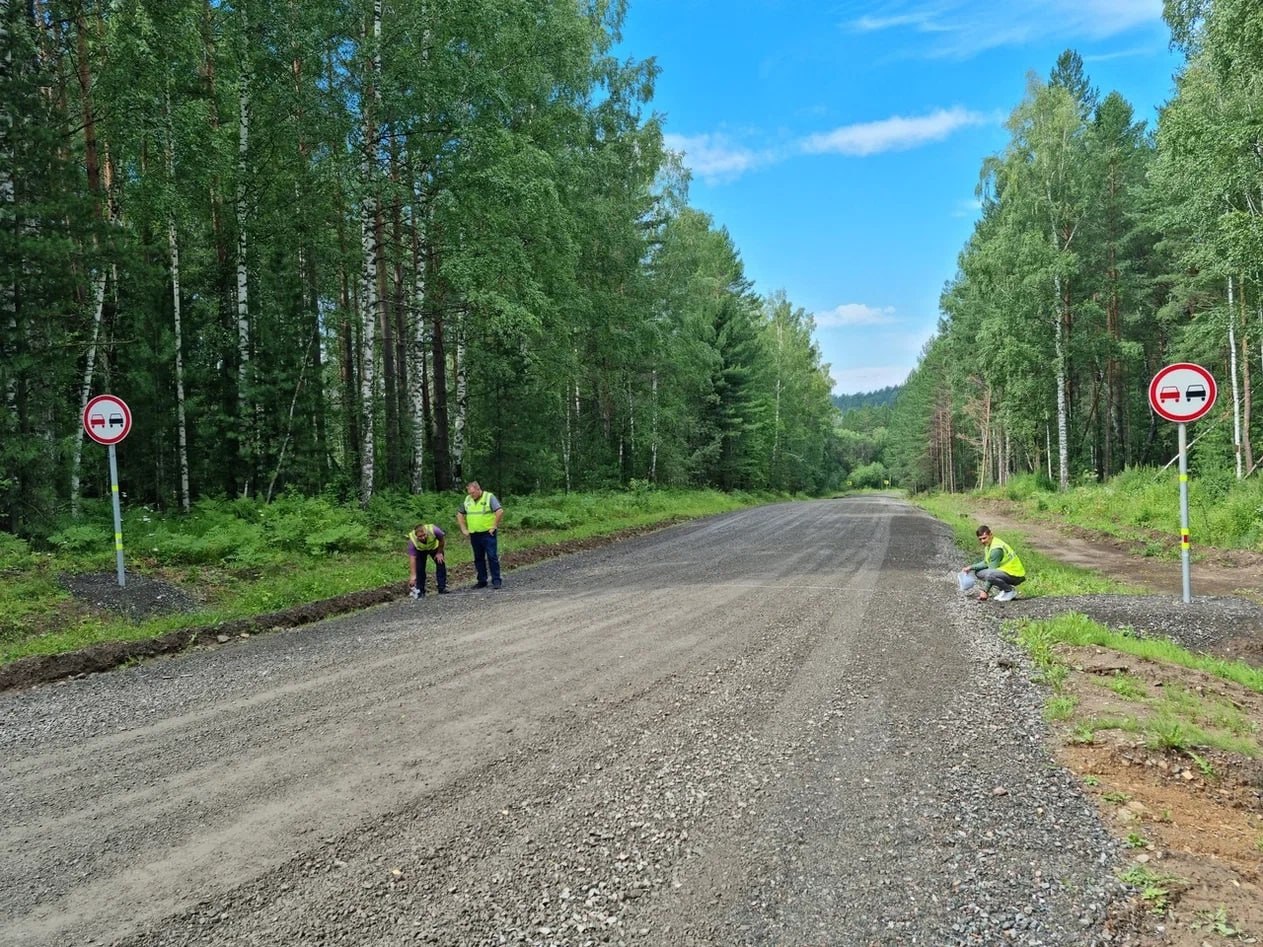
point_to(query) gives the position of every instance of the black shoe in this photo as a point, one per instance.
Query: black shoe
(480, 585)
(443, 591)
(495, 584)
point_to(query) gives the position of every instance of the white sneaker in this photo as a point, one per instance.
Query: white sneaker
(1008, 596)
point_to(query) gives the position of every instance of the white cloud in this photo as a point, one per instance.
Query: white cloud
(713, 157)
(967, 209)
(964, 28)
(855, 314)
(897, 133)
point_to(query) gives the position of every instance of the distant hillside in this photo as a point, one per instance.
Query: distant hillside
(868, 399)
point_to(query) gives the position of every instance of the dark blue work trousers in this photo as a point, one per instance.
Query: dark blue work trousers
(485, 555)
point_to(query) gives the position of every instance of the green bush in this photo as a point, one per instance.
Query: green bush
(14, 552)
(543, 518)
(82, 538)
(1026, 486)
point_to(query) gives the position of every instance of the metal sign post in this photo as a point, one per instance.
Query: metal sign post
(118, 521)
(107, 420)
(1184, 543)
(1183, 392)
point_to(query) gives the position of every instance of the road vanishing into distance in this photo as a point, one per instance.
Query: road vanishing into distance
(782, 726)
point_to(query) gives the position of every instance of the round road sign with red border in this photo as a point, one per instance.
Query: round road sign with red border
(107, 419)
(1182, 392)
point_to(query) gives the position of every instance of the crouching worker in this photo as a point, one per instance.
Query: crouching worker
(426, 540)
(1000, 567)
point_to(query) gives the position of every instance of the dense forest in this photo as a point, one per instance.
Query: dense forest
(344, 247)
(340, 247)
(1104, 250)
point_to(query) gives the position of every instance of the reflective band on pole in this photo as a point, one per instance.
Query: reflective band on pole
(1184, 543)
(118, 541)
(1183, 478)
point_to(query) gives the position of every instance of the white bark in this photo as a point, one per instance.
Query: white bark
(567, 436)
(418, 353)
(85, 387)
(245, 417)
(462, 404)
(173, 243)
(653, 449)
(1232, 370)
(371, 305)
(417, 374)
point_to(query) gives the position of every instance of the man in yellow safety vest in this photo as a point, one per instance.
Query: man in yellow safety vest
(1000, 567)
(479, 518)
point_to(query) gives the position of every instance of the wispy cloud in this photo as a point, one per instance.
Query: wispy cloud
(964, 28)
(715, 158)
(897, 133)
(855, 314)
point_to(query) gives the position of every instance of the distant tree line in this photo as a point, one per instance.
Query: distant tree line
(340, 247)
(1104, 251)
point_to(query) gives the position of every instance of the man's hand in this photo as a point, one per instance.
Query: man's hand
(438, 557)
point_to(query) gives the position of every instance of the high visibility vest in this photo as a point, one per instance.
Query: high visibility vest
(424, 545)
(1009, 561)
(478, 515)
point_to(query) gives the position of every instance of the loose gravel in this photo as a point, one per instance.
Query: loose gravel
(779, 726)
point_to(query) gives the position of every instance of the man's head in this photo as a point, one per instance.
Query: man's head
(473, 489)
(984, 535)
(423, 534)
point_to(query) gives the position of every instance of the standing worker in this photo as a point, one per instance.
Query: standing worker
(1000, 567)
(479, 518)
(425, 541)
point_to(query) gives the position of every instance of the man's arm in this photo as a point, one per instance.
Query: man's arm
(460, 521)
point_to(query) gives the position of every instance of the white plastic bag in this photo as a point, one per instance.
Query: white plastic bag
(965, 580)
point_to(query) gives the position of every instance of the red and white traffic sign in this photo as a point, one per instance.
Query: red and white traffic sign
(107, 419)
(1182, 392)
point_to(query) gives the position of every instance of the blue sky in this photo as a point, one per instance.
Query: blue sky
(840, 142)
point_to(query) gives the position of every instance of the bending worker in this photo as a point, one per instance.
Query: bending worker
(1000, 567)
(426, 541)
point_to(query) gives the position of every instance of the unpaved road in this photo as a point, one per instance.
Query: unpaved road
(779, 726)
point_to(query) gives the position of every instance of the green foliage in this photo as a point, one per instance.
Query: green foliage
(80, 539)
(1154, 887)
(15, 553)
(535, 517)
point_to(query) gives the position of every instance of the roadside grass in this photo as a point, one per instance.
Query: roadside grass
(1139, 500)
(242, 558)
(1176, 718)
(1045, 575)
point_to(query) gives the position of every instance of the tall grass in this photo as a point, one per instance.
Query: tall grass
(1223, 511)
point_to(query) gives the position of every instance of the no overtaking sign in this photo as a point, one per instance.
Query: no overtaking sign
(1182, 392)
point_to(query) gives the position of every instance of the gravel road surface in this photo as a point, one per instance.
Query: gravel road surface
(782, 726)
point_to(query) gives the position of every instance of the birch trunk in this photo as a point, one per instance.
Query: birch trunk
(417, 375)
(173, 244)
(653, 449)
(1232, 371)
(245, 404)
(462, 408)
(370, 213)
(1247, 448)
(8, 199)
